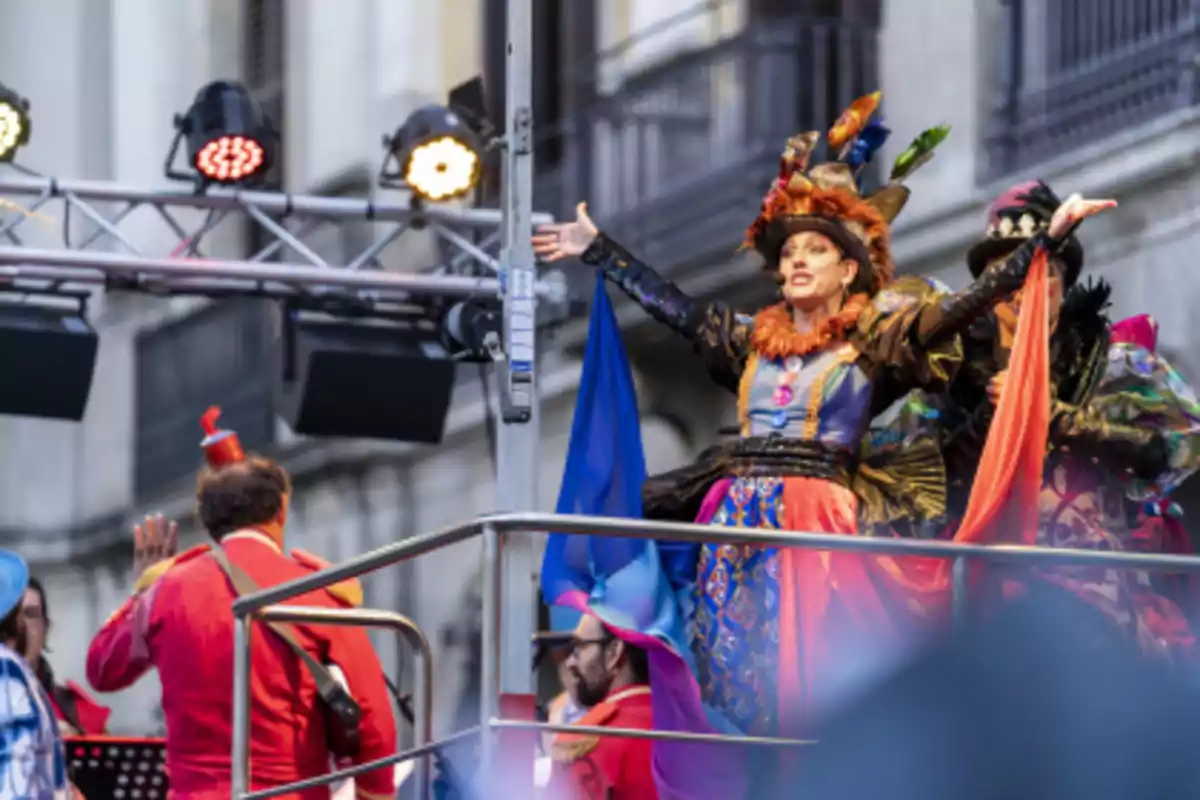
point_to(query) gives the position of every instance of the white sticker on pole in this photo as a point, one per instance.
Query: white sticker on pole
(522, 284)
(521, 308)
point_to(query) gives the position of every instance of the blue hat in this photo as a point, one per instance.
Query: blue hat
(14, 580)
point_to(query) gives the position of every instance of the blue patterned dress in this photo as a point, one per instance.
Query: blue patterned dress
(32, 762)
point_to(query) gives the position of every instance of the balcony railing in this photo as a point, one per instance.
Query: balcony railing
(674, 160)
(221, 355)
(1076, 71)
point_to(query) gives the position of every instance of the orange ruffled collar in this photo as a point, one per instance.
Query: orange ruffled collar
(775, 334)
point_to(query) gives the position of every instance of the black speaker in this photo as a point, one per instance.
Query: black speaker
(47, 359)
(370, 380)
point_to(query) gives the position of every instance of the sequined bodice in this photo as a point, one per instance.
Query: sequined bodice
(821, 397)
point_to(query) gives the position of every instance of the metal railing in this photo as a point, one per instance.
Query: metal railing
(369, 618)
(1075, 71)
(494, 528)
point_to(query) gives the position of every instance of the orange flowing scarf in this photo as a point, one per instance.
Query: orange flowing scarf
(1004, 498)
(1003, 506)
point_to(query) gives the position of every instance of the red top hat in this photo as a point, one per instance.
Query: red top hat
(220, 447)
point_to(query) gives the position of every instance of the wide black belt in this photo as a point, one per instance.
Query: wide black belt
(678, 494)
(779, 456)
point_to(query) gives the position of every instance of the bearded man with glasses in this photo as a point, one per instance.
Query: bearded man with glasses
(612, 679)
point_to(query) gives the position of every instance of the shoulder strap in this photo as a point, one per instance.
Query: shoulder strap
(65, 699)
(243, 584)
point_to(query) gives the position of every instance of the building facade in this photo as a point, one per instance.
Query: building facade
(667, 115)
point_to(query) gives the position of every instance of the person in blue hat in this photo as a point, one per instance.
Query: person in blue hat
(32, 761)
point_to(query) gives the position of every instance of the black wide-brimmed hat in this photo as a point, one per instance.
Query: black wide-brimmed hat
(1016, 216)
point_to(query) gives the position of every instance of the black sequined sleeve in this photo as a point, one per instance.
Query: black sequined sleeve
(719, 336)
(959, 311)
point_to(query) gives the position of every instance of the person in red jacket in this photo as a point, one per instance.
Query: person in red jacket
(611, 679)
(179, 621)
(77, 711)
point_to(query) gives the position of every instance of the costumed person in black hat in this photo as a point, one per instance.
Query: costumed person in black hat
(32, 762)
(778, 635)
(1123, 427)
(180, 622)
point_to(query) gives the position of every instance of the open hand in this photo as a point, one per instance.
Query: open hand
(1075, 210)
(565, 239)
(996, 386)
(155, 540)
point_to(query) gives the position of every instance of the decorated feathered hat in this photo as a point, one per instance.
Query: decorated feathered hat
(1016, 216)
(828, 198)
(221, 447)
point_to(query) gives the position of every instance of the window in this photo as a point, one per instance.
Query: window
(222, 355)
(563, 41)
(264, 68)
(681, 144)
(1075, 71)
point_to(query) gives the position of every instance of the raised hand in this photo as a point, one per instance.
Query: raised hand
(155, 540)
(996, 386)
(565, 239)
(1075, 210)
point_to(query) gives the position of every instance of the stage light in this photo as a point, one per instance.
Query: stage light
(14, 122)
(229, 139)
(436, 154)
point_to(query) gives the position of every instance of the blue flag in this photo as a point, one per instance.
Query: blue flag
(605, 465)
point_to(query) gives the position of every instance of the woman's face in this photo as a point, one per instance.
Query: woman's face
(34, 613)
(813, 270)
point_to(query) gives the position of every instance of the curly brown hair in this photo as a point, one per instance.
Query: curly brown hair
(786, 210)
(242, 495)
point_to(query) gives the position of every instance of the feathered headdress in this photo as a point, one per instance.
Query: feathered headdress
(827, 198)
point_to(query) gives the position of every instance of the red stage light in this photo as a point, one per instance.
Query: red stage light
(230, 159)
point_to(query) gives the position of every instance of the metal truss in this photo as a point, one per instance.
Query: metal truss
(109, 257)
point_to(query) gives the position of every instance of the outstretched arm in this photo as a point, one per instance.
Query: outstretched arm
(659, 297)
(720, 336)
(956, 313)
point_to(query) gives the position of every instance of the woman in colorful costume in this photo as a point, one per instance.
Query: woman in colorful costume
(765, 635)
(1122, 429)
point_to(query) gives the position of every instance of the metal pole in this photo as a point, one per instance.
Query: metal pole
(216, 199)
(161, 285)
(361, 769)
(652, 734)
(508, 524)
(378, 618)
(240, 772)
(120, 264)
(960, 574)
(517, 439)
(489, 662)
